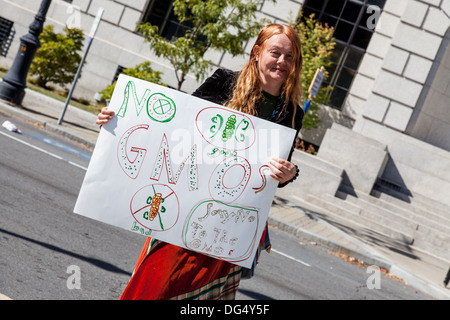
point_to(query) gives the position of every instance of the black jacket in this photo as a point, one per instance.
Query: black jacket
(219, 87)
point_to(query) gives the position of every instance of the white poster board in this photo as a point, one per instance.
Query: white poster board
(184, 170)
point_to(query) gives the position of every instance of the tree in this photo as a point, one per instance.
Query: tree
(57, 60)
(224, 25)
(141, 71)
(317, 46)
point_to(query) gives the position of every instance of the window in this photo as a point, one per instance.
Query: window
(160, 13)
(352, 34)
(6, 35)
(119, 70)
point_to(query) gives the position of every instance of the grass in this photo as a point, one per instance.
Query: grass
(61, 96)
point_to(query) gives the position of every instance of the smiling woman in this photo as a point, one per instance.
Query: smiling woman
(269, 87)
(280, 77)
(274, 62)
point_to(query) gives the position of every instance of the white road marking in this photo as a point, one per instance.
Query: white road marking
(289, 257)
(43, 150)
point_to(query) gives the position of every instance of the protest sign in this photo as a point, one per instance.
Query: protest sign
(183, 170)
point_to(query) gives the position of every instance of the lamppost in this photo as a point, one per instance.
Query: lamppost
(12, 88)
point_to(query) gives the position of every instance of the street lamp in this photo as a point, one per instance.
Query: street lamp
(12, 88)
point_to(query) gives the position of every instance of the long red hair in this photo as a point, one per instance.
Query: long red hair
(248, 88)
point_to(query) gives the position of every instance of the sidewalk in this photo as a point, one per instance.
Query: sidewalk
(78, 125)
(418, 269)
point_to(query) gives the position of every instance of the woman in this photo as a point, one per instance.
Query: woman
(269, 86)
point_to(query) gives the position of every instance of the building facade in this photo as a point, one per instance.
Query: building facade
(117, 45)
(390, 99)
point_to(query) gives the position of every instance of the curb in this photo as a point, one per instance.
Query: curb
(57, 129)
(22, 114)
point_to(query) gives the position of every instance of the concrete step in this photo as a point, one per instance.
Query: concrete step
(380, 214)
(352, 213)
(417, 203)
(403, 222)
(406, 214)
(432, 241)
(426, 235)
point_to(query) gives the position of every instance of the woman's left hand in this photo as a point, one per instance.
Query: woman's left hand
(282, 170)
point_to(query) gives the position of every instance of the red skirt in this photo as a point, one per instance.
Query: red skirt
(164, 271)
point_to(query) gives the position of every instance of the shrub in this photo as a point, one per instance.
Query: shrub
(317, 46)
(141, 71)
(58, 59)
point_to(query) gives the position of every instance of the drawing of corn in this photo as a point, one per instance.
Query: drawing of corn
(229, 128)
(154, 207)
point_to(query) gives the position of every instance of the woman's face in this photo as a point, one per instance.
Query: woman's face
(274, 62)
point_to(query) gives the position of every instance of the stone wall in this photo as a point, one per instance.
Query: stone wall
(405, 72)
(401, 99)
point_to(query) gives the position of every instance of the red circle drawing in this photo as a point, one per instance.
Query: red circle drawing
(211, 123)
(218, 190)
(155, 207)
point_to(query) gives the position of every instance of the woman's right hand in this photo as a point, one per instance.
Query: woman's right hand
(104, 116)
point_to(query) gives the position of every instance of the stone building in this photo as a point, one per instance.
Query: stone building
(387, 126)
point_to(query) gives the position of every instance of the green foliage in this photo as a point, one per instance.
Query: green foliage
(224, 25)
(141, 71)
(57, 60)
(317, 46)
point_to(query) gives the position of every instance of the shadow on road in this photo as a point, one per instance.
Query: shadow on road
(96, 262)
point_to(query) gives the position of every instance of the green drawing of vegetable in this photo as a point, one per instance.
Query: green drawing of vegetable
(213, 128)
(243, 126)
(155, 203)
(229, 128)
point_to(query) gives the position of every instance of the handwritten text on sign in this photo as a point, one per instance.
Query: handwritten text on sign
(183, 170)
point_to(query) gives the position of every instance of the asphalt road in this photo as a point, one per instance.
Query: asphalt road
(46, 248)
